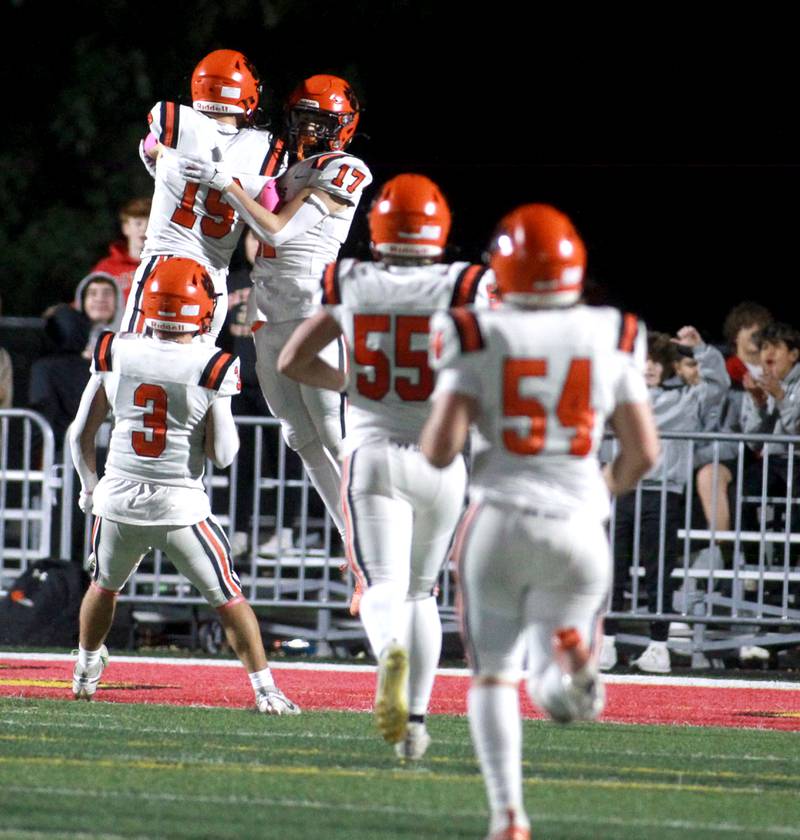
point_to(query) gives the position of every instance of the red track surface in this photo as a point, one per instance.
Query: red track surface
(215, 685)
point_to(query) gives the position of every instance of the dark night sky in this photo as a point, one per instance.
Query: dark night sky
(670, 142)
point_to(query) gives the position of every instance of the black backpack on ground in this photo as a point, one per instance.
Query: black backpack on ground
(42, 605)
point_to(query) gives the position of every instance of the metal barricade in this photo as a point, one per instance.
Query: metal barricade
(27, 491)
(749, 598)
(733, 586)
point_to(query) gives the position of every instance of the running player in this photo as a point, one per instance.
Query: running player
(170, 398)
(539, 375)
(317, 200)
(191, 220)
(400, 512)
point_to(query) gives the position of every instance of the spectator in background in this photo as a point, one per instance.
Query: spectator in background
(742, 324)
(123, 254)
(676, 409)
(772, 406)
(98, 296)
(6, 375)
(58, 378)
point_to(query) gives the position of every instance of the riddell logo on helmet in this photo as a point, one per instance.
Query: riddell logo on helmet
(306, 103)
(215, 107)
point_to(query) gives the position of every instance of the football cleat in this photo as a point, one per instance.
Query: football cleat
(84, 682)
(272, 701)
(415, 743)
(391, 696)
(512, 831)
(583, 691)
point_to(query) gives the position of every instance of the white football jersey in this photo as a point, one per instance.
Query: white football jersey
(287, 277)
(159, 393)
(194, 220)
(384, 312)
(545, 381)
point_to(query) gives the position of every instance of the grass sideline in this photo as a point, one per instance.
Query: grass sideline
(111, 770)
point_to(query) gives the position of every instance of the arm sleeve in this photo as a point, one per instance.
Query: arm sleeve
(307, 216)
(88, 477)
(226, 437)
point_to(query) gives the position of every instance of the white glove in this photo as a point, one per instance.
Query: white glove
(199, 171)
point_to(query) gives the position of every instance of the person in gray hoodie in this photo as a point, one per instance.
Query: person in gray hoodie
(678, 408)
(772, 406)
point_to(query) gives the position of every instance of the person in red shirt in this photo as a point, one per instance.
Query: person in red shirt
(123, 254)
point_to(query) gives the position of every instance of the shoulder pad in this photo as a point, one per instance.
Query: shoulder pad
(214, 372)
(102, 352)
(469, 331)
(628, 331)
(466, 285)
(165, 123)
(341, 175)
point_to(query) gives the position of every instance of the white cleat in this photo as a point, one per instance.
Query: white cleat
(272, 701)
(391, 696)
(84, 682)
(414, 744)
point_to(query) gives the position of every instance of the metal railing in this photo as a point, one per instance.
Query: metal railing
(736, 586)
(28, 486)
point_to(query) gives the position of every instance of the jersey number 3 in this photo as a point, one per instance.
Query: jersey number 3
(573, 411)
(152, 398)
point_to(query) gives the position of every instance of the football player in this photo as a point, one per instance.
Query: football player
(170, 398)
(191, 220)
(316, 198)
(400, 513)
(539, 374)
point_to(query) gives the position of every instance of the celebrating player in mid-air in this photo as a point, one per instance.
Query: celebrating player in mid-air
(317, 198)
(191, 220)
(170, 398)
(400, 513)
(539, 375)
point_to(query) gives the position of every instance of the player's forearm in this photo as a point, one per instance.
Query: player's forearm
(639, 447)
(314, 372)
(302, 213)
(222, 438)
(445, 433)
(83, 430)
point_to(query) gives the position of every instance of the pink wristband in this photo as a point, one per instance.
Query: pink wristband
(268, 197)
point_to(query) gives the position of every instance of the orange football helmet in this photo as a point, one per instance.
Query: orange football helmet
(225, 82)
(409, 218)
(179, 297)
(322, 114)
(538, 257)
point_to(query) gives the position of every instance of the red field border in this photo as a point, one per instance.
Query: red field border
(191, 682)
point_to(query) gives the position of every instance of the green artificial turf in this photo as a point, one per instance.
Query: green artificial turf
(110, 770)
